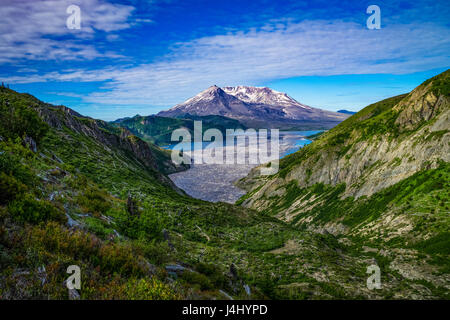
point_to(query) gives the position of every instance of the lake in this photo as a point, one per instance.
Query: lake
(214, 182)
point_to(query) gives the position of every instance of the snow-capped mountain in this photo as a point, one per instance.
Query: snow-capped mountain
(263, 95)
(255, 107)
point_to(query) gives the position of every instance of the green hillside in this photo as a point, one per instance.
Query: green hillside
(159, 130)
(379, 179)
(79, 191)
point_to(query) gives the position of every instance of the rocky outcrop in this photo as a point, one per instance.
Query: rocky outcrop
(419, 106)
(417, 138)
(29, 141)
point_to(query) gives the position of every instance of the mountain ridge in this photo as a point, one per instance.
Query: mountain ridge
(255, 106)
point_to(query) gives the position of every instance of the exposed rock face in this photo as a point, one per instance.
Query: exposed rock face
(255, 107)
(417, 138)
(31, 143)
(420, 105)
(375, 165)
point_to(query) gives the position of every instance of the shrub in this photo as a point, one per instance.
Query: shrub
(146, 225)
(11, 162)
(155, 251)
(18, 118)
(28, 209)
(120, 259)
(10, 188)
(197, 279)
(93, 200)
(98, 227)
(213, 272)
(438, 244)
(149, 289)
(108, 257)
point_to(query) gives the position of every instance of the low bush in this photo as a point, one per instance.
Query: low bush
(149, 289)
(10, 188)
(93, 201)
(28, 209)
(197, 279)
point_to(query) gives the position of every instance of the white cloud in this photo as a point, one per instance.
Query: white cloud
(277, 51)
(28, 29)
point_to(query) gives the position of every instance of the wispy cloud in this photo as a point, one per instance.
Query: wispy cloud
(281, 48)
(275, 51)
(36, 30)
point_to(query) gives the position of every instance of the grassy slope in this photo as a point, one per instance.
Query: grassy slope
(411, 215)
(74, 175)
(374, 120)
(74, 178)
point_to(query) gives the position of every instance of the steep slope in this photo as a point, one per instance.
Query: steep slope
(380, 178)
(382, 144)
(256, 107)
(60, 117)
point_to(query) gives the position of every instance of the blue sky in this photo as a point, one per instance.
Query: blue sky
(141, 56)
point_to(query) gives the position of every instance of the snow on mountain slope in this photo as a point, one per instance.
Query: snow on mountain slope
(253, 106)
(262, 95)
